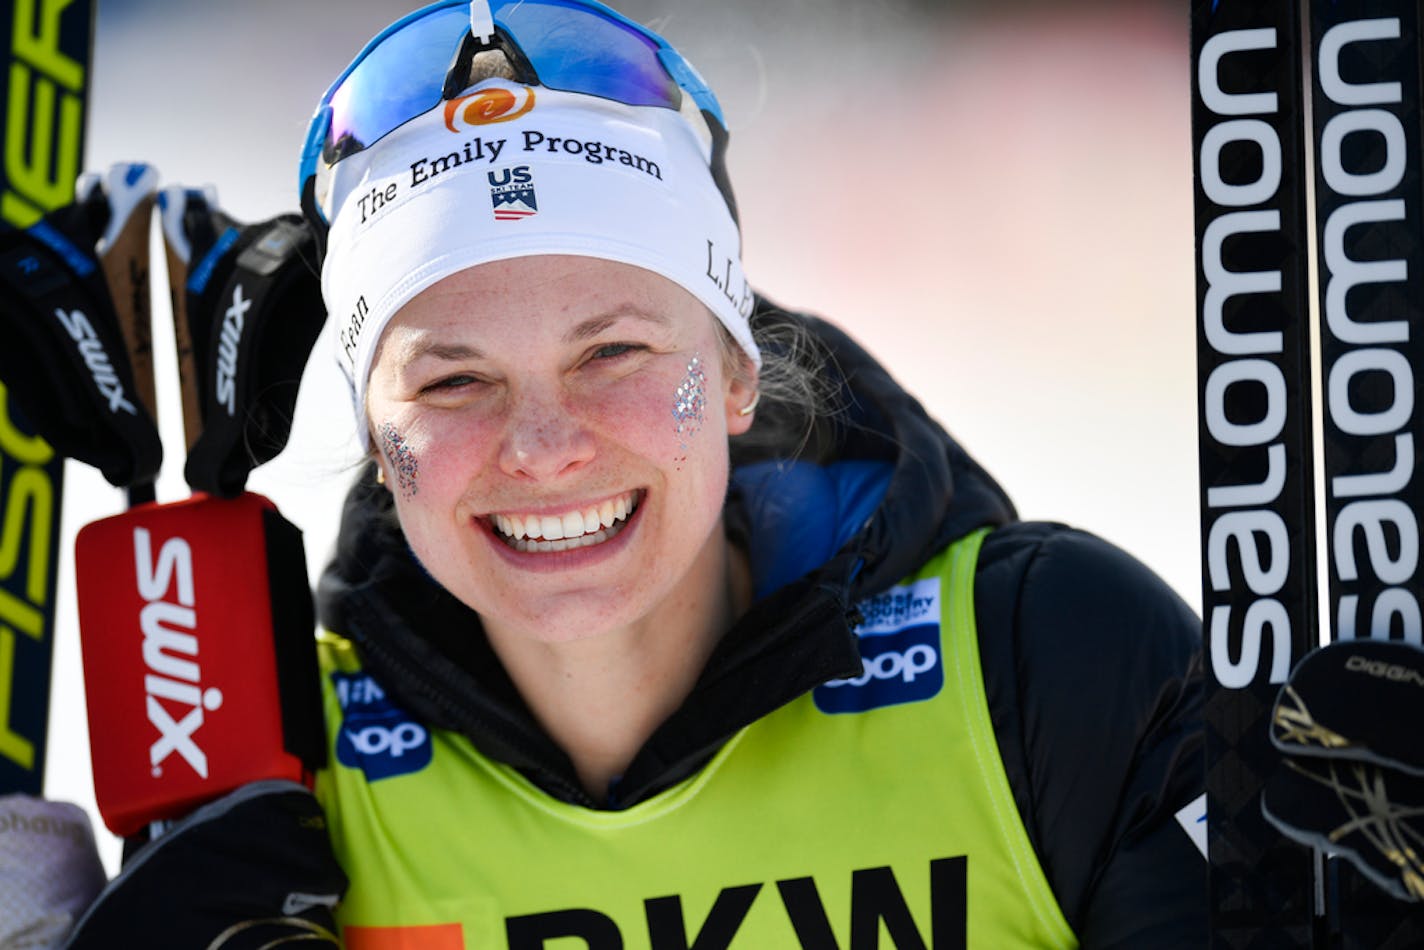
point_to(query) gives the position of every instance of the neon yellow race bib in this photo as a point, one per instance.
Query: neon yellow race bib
(871, 809)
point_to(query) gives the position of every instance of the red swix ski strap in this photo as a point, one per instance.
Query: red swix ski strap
(196, 627)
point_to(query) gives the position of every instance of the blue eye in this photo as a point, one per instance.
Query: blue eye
(610, 351)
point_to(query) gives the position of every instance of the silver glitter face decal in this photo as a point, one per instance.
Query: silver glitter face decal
(402, 460)
(689, 404)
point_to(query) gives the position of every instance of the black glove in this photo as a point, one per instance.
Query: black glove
(77, 364)
(1352, 779)
(247, 309)
(249, 870)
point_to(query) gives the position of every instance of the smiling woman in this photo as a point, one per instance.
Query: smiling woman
(609, 647)
(541, 409)
(566, 499)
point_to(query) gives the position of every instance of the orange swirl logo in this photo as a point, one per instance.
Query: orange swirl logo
(488, 106)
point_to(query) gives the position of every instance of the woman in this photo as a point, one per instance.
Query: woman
(619, 649)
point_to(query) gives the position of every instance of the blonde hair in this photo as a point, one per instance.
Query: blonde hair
(798, 402)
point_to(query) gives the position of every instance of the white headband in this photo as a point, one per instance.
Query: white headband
(513, 171)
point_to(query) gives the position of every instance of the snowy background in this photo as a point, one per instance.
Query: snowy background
(995, 198)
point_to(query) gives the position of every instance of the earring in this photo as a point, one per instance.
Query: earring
(750, 407)
(380, 475)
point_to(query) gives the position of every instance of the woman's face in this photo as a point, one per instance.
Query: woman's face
(554, 431)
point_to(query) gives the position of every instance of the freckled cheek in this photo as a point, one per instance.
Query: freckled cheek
(645, 417)
(448, 456)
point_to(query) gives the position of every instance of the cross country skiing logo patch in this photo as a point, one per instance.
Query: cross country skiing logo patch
(377, 736)
(512, 193)
(899, 651)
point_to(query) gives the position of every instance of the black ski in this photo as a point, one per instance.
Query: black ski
(1254, 391)
(1365, 69)
(43, 100)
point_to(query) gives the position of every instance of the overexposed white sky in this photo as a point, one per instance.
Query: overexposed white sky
(998, 207)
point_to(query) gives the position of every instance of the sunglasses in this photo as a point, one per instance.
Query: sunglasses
(424, 58)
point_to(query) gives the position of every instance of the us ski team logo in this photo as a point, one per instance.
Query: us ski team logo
(899, 650)
(512, 193)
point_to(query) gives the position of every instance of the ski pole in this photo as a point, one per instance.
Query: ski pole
(130, 190)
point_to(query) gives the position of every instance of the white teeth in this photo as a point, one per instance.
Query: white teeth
(564, 532)
(566, 544)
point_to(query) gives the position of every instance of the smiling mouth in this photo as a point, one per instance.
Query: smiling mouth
(580, 528)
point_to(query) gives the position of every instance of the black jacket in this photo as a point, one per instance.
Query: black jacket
(1091, 664)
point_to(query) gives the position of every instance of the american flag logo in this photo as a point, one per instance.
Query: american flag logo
(514, 202)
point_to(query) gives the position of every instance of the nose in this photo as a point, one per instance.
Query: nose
(543, 439)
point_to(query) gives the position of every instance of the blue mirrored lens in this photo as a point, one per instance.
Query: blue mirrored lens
(400, 78)
(573, 48)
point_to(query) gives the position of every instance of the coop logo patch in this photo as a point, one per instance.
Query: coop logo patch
(899, 651)
(376, 736)
(512, 193)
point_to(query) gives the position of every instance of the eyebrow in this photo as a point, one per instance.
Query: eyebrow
(589, 328)
(596, 325)
(442, 351)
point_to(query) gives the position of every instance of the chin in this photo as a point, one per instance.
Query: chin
(568, 622)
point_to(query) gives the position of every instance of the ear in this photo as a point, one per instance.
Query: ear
(376, 455)
(741, 392)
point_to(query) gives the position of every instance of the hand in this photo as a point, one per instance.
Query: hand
(239, 873)
(1352, 779)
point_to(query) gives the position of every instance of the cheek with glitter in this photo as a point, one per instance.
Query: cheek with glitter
(689, 405)
(401, 457)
